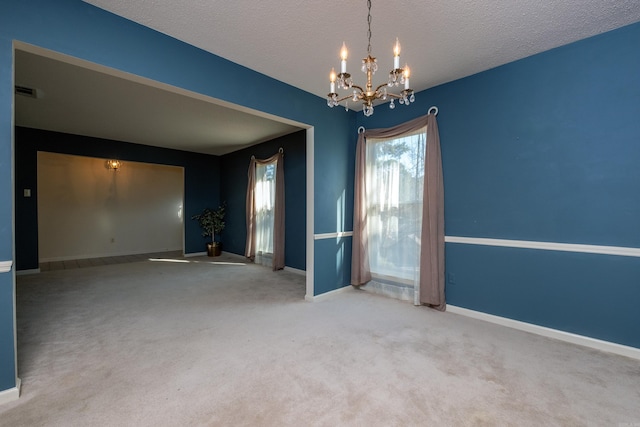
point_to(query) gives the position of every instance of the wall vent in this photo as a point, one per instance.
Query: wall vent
(28, 92)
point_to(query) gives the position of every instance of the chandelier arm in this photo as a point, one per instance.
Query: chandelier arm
(357, 87)
(406, 92)
(393, 95)
(380, 87)
(344, 98)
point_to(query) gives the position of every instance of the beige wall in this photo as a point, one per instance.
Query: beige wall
(86, 210)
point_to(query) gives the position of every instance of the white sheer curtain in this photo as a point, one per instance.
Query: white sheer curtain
(265, 199)
(394, 193)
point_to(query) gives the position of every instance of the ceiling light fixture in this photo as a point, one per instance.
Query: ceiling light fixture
(113, 165)
(367, 96)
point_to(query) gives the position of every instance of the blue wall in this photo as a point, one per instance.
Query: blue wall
(78, 29)
(234, 190)
(540, 149)
(544, 149)
(201, 181)
(7, 293)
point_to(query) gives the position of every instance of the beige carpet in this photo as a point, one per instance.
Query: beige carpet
(181, 344)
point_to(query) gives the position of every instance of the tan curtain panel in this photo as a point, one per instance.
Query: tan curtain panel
(432, 237)
(278, 222)
(360, 271)
(278, 226)
(250, 246)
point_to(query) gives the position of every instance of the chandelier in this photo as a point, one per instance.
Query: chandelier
(397, 76)
(113, 165)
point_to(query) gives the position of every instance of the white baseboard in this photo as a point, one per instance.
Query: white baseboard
(195, 254)
(601, 345)
(295, 270)
(27, 272)
(329, 294)
(10, 394)
(244, 259)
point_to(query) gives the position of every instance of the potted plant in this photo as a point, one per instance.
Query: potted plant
(212, 224)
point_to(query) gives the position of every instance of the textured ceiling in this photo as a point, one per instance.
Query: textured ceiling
(298, 41)
(85, 99)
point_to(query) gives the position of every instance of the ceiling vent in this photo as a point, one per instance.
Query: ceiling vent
(28, 92)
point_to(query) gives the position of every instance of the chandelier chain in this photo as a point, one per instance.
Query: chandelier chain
(369, 24)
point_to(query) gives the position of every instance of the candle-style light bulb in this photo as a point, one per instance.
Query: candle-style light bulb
(332, 79)
(343, 55)
(343, 52)
(407, 73)
(396, 55)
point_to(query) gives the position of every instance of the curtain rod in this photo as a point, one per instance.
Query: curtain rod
(280, 150)
(433, 108)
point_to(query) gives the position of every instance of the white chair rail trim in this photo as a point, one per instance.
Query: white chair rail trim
(523, 244)
(336, 235)
(5, 266)
(549, 246)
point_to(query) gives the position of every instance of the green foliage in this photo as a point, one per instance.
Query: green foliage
(393, 149)
(211, 221)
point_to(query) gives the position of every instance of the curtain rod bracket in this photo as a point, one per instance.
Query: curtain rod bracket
(434, 109)
(280, 150)
(361, 129)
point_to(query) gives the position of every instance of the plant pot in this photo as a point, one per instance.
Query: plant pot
(214, 249)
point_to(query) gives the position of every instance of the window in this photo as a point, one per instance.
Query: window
(265, 198)
(394, 186)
